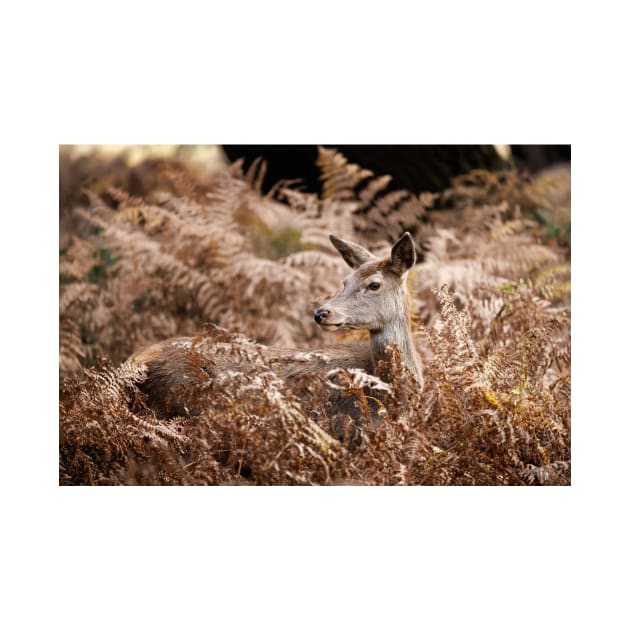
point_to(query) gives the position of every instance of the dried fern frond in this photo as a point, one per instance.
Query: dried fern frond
(481, 187)
(340, 179)
(379, 215)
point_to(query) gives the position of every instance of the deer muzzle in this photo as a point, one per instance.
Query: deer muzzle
(320, 315)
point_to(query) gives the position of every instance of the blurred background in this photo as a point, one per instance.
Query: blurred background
(418, 168)
(534, 178)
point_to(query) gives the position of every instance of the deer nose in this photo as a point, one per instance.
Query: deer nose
(320, 315)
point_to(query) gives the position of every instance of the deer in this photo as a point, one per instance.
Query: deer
(373, 297)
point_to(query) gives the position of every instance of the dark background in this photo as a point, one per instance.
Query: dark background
(417, 168)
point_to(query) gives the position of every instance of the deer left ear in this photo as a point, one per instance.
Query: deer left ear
(403, 256)
(353, 254)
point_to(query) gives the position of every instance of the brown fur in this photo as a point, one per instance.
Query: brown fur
(292, 363)
(369, 268)
(174, 364)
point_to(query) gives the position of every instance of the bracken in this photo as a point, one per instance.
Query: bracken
(161, 250)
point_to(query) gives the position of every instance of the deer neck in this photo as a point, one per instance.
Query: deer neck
(397, 331)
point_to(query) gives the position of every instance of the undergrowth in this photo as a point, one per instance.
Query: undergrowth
(162, 249)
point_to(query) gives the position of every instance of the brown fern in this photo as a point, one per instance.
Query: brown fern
(163, 248)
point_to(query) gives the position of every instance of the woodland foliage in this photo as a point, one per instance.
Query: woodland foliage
(164, 249)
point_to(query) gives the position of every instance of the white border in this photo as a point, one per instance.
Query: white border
(330, 72)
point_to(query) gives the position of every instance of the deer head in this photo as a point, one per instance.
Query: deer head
(373, 296)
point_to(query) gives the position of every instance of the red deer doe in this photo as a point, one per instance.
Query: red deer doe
(373, 298)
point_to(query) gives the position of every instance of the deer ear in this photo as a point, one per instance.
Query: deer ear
(353, 254)
(403, 256)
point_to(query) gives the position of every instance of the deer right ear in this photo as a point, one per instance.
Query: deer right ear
(353, 254)
(403, 255)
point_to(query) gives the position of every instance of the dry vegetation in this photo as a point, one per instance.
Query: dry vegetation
(163, 248)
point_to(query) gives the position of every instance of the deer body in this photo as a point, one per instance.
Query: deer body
(373, 298)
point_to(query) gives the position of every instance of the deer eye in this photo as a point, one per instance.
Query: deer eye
(374, 286)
